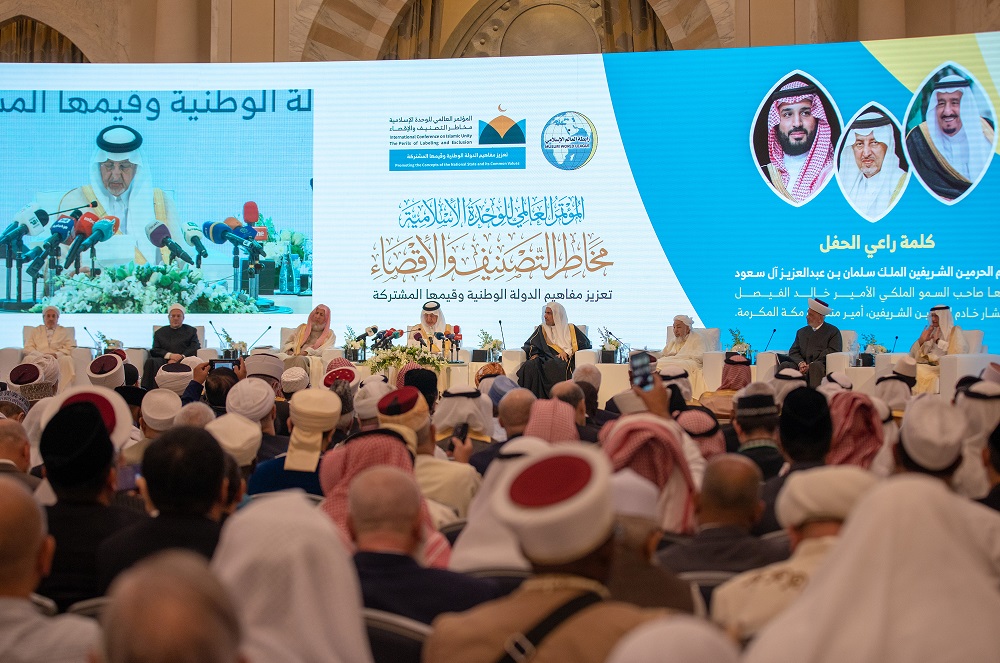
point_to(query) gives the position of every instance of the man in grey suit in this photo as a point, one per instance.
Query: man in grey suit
(813, 343)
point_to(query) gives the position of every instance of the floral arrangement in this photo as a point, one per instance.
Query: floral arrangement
(397, 357)
(349, 342)
(238, 346)
(871, 344)
(608, 339)
(145, 288)
(108, 343)
(740, 344)
(295, 240)
(487, 342)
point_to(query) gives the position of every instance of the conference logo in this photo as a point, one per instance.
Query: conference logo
(569, 140)
(502, 130)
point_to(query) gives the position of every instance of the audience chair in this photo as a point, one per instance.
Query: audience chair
(452, 530)
(44, 605)
(707, 581)
(508, 579)
(393, 638)
(92, 608)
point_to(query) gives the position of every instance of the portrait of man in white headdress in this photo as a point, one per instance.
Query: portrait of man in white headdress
(122, 185)
(869, 169)
(953, 145)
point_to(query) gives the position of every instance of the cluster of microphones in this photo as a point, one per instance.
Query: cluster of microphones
(81, 229)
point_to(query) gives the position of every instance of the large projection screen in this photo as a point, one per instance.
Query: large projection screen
(728, 185)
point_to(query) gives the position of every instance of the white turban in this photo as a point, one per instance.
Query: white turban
(313, 412)
(685, 319)
(822, 493)
(159, 407)
(253, 398)
(238, 436)
(294, 379)
(175, 377)
(107, 371)
(193, 362)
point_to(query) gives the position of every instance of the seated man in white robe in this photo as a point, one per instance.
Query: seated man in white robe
(304, 347)
(685, 349)
(939, 338)
(54, 340)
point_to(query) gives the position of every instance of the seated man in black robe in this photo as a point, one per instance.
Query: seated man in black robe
(812, 344)
(170, 344)
(550, 351)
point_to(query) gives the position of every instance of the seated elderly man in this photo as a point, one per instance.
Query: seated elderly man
(813, 343)
(812, 507)
(25, 635)
(53, 340)
(170, 345)
(727, 507)
(387, 529)
(685, 350)
(304, 347)
(940, 337)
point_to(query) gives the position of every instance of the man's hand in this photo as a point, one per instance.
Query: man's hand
(200, 373)
(803, 367)
(564, 356)
(657, 400)
(463, 449)
(175, 357)
(240, 368)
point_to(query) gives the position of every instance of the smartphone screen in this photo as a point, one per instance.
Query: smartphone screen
(460, 431)
(223, 363)
(642, 371)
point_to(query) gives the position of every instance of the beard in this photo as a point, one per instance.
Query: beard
(795, 149)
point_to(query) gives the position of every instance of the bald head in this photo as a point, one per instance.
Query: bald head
(14, 444)
(22, 538)
(588, 373)
(730, 491)
(515, 410)
(383, 499)
(195, 414)
(167, 608)
(570, 392)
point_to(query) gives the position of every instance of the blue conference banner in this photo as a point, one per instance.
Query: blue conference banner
(729, 185)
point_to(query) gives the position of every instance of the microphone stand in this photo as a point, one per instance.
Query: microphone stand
(20, 263)
(258, 338)
(253, 279)
(237, 286)
(222, 344)
(623, 348)
(55, 268)
(94, 270)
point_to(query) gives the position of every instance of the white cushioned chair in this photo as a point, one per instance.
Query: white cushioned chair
(82, 356)
(138, 356)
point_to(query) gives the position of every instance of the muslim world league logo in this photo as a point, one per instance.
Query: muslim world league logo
(569, 140)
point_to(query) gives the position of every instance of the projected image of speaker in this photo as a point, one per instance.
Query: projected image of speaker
(268, 277)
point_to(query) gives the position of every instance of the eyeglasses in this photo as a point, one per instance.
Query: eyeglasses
(122, 166)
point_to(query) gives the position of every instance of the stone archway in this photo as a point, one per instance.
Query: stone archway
(98, 45)
(357, 29)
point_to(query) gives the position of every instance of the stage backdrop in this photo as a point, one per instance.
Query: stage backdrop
(729, 185)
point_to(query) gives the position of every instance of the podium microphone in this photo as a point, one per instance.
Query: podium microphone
(260, 337)
(97, 346)
(769, 340)
(217, 334)
(419, 338)
(502, 340)
(894, 345)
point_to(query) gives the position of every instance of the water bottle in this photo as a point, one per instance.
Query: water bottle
(285, 276)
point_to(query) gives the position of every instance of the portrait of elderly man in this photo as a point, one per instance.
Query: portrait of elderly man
(800, 141)
(122, 185)
(685, 351)
(870, 171)
(55, 341)
(953, 146)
